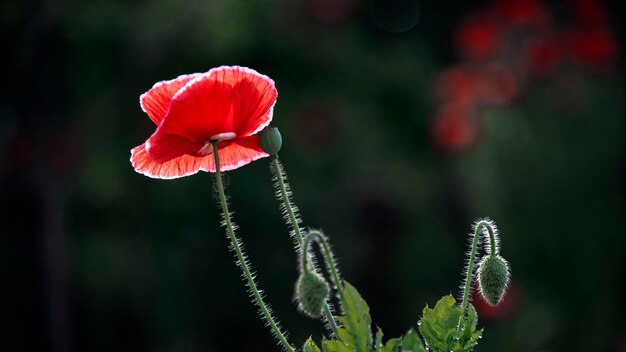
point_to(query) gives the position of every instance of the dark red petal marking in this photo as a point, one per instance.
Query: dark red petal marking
(156, 101)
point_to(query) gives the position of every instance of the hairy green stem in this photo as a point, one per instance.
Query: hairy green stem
(470, 266)
(314, 234)
(241, 257)
(278, 172)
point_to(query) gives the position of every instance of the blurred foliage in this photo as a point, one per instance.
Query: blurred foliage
(95, 257)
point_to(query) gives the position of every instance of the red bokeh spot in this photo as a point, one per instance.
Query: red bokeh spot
(477, 37)
(594, 47)
(330, 11)
(522, 12)
(495, 84)
(505, 310)
(589, 12)
(545, 54)
(455, 84)
(454, 127)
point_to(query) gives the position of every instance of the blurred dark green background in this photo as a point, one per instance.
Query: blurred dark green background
(95, 257)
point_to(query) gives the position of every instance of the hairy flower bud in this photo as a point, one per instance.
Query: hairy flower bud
(311, 293)
(493, 278)
(270, 140)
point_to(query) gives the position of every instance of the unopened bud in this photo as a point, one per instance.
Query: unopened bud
(270, 140)
(493, 278)
(311, 293)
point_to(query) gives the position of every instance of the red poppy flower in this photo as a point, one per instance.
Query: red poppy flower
(225, 104)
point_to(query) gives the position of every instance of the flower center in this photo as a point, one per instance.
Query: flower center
(207, 148)
(226, 136)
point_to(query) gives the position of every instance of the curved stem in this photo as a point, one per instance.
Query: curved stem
(314, 234)
(241, 257)
(492, 240)
(470, 266)
(278, 172)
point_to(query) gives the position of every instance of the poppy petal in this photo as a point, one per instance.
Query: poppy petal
(163, 147)
(156, 101)
(181, 166)
(224, 100)
(200, 110)
(232, 155)
(254, 96)
(240, 152)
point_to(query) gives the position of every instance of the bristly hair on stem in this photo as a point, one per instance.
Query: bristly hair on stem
(480, 228)
(236, 245)
(317, 236)
(293, 220)
(289, 210)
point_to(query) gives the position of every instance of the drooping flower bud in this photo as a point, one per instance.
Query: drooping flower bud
(311, 293)
(270, 140)
(493, 278)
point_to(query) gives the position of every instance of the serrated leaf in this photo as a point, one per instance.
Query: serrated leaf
(310, 346)
(356, 333)
(439, 326)
(379, 340)
(468, 335)
(334, 346)
(391, 346)
(412, 343)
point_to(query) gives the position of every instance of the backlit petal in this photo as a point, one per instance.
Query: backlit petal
(156, 101)
(201, 109)
(178, 167)
(232, 155)
(224, 100)
(254, 96)
(228, 104)
(163, 147)
(240, 152)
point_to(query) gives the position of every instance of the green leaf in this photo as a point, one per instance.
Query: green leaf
(391, 346)
(334, 346)
(468, 335)
(310, 346)
(412, 343)
(379, 340)
(445, 328)
(438, 325)
(356, 333)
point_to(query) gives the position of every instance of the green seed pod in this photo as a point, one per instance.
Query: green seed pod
(270, 140)
(311, 293)
(493, 278)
